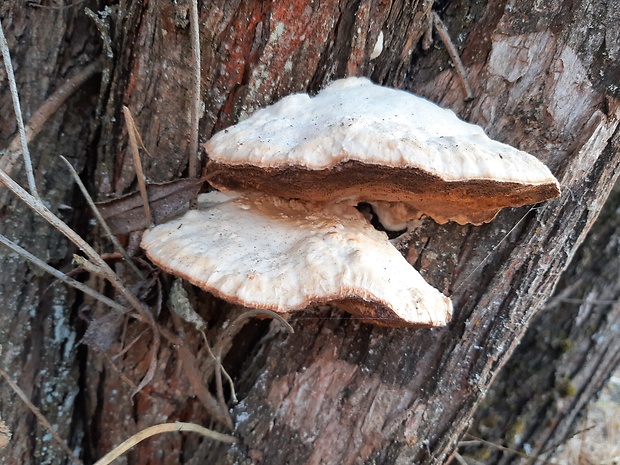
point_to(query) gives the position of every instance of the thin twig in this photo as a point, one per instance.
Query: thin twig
(557, 444)
(10, 161)
(442, 31)
(37, 413)
(508, 449)
(33, 4)
(163, 428)
(8, 64)
(233, 393)
(61, 276)
(194, 376)
(232, 329)
(102, 222)
(219, 387)
(133, 143)
(181, 306)
(195, 96)
(128, 346)
(219, 371)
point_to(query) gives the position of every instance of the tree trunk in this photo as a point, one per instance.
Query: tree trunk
(544, 79)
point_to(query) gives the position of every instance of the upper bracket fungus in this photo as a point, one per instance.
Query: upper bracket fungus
(353, 142)
(360, 141)
(283, 255)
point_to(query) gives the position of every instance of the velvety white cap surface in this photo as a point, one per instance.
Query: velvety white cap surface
(356, 120)
(285, 255)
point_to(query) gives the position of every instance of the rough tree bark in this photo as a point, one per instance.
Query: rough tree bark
(544, 79)
(565, 358)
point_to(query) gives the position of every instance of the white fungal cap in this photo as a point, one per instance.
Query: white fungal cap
(286, 255)
(365, 142)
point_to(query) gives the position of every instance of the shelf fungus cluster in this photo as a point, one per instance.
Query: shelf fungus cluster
(284, 233)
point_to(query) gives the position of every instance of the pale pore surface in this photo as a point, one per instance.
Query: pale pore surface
(395, 216)
(284, 255)
(354, 119)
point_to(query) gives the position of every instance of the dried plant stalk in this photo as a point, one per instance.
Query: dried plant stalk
(63, 277)
(6, 56)
(102, 222)
(441, 29)
(133, 144)
(163, 428)
(195, 109)
(10, 161)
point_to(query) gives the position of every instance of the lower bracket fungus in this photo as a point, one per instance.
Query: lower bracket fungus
(286, 255)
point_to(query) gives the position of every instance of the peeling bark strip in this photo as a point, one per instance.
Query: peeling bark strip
(544, 78)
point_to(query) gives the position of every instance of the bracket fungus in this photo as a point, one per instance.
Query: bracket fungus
(284, 255)
(364, 142)
(287, 236)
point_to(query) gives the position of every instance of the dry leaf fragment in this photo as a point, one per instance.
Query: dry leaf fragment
(126, 214)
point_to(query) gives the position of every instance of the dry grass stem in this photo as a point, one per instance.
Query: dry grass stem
(233, 393)
(195, 379)
(231, 330)
(133, 144)
(37, 413)
(61, 276)
(102, 222)
(532, 458)
(163, 428)
(219, 386)
(38, 207)
(181, 306)
(195, 95)
(128, 346)
(194, 376)
(8, 64)
(219, 371)
(459, 459)
(225, 339)
(10, 161)
(442, 31)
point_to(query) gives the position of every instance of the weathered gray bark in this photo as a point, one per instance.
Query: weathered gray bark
(38, 329)
(336, 391)
(565, 358)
